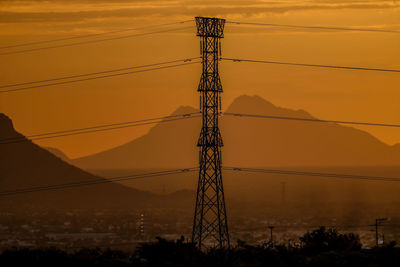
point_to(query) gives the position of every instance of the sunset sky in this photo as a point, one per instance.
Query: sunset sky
(326, 94)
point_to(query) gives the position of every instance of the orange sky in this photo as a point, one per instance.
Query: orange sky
(326, 94)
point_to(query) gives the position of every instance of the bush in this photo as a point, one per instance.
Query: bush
(322, 240)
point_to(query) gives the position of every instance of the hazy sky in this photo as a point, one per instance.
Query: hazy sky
(326, 94)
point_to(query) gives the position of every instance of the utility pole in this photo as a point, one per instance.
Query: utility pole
(271, 228)
(377, 223)
(210, 225)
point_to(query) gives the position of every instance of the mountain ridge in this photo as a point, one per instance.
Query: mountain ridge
(250, 142)
(26, 165)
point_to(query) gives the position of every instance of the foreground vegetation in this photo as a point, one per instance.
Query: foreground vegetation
(321, 247)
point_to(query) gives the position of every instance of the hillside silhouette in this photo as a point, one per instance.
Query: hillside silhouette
(250, 142)
(25, 165)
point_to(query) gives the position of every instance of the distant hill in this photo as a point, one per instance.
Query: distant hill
(273, 142)
(167, 145)
(250, 142)
(25, 165)
(58, 153)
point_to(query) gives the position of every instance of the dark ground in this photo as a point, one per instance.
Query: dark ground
(321, 247)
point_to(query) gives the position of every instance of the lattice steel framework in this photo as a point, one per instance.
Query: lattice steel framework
(210, 227)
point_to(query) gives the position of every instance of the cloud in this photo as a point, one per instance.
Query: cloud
(60, 11)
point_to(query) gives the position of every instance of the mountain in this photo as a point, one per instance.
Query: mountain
(25, 165)
(166, 145)
(274, 142)
(250, 142)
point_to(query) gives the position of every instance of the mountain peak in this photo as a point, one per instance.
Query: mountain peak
(184, 110)
(5, 121)
(258, 105)
(249, 142)
(6, 127)
(245, 102)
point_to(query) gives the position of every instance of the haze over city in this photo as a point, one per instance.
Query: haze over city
(296, 137)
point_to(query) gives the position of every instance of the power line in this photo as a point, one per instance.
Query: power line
(97, 73)
(91, 41)
(100, 128)
(95, 182)
(92, 35)
(97, 77)
(313, 27)
(310, 120)
(310, 65)
(192, 169)
(314, 174)
(108, 125)
(113, 126)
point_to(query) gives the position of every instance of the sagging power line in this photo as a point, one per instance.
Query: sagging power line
(95, 181)
(100, 128)
(191, 169)
(99, 72)
(334, 28)
(309, 119)
(100, 77)
(119, 125)
(314, 174)
(310, 65)
(93, 34)
(92, 41)
(185, 62)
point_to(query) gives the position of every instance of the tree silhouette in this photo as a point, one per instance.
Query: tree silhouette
(323, 239)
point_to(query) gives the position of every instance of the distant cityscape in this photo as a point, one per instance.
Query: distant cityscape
(125, 230)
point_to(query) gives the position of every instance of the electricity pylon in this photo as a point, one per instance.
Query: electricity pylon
(210, 227)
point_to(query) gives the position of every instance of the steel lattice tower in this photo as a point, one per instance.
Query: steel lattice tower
(210, 225)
